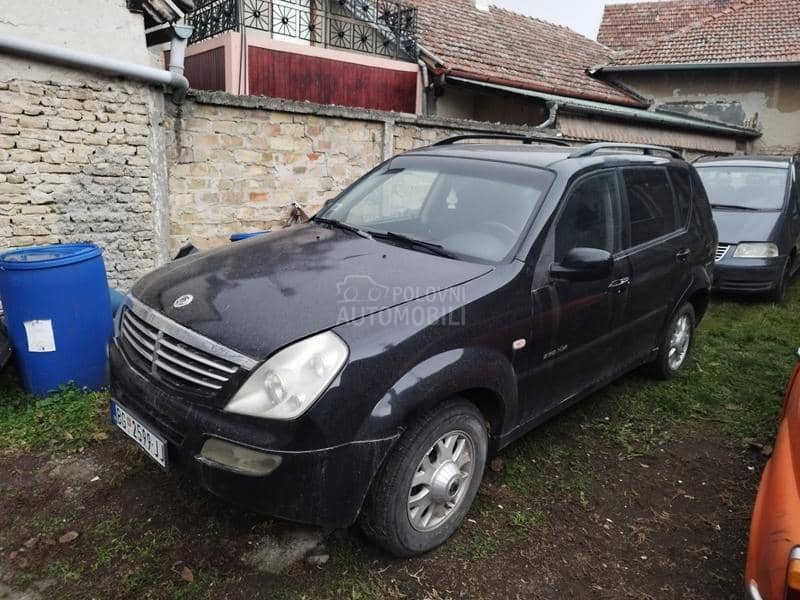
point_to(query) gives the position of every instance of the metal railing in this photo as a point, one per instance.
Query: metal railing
(382, 27)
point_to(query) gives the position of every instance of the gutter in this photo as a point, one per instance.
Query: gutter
(518, 85)
(693, 66)
(65, 57)
(622, 112)
(438, 63)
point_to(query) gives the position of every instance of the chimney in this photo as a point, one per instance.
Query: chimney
(482, 5)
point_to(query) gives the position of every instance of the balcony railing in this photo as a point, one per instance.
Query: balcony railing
(382, 27)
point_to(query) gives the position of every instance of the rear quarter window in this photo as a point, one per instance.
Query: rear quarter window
(651, 206)
(682, 185)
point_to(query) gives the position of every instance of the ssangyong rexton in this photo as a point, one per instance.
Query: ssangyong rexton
(364, 365)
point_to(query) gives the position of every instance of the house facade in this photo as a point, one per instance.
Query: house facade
(736, 62)
(357, 53)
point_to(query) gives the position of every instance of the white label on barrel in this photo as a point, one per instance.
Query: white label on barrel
(40, 336)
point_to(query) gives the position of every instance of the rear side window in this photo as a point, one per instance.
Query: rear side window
(682, 184)
(650, 204)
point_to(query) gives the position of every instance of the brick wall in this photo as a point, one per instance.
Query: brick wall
(75, 165)
(238, 163)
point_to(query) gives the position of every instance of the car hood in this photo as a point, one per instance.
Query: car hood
(737, 226)
(260, 295)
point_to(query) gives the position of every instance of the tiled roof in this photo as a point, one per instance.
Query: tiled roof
(504, 47)
(746, 31)
(627, 26)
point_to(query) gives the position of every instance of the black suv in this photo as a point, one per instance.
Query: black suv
(756, 206)
(366, 363)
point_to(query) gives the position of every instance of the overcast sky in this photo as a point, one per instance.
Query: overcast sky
(581, 15)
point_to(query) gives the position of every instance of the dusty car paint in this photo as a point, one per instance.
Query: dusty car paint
(509, 337)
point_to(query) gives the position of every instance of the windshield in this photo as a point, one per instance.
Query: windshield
(746, 188)
(472, 209)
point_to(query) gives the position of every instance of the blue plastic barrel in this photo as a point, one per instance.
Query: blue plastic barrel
(238, 237)
(58, 314)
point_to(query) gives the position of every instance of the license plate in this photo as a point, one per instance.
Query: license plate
(152, 443)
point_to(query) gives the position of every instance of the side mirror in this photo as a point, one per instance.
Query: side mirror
(584, 264)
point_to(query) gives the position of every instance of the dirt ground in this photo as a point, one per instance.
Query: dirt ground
(583, 519)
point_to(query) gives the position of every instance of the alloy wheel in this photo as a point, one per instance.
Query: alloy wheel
(441, 481)
(679, 340)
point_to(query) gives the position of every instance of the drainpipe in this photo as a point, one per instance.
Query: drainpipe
(426, 82)
(58, 55)
(551, 118)
(177, 50)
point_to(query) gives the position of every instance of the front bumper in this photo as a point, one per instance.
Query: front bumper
(324, 486)
(748, 275)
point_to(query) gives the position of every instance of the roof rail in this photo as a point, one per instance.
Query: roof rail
(591, 149)
(703, 157)
(527, 140)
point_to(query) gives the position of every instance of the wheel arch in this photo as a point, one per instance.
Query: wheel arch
(700, 300)
(481, 376)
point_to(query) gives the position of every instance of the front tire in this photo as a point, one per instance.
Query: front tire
(676, 343)
(429, 481)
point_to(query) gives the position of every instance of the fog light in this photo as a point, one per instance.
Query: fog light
(239, 459)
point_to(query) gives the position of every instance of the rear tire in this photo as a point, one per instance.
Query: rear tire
(428, 483)
(676, 344)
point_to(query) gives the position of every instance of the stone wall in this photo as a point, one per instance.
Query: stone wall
(237, 164)
(75, 165)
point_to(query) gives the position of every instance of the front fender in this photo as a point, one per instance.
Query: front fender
(438, 378)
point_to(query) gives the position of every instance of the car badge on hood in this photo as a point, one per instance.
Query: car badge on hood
(184, 300)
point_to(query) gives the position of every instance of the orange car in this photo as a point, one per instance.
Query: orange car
(773, 554)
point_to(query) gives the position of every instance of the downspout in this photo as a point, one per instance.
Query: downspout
(58, 55)
(426, 82)
(551, 118)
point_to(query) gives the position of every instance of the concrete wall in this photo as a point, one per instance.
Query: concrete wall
(103, 27)
(238, 163)
(767, 97)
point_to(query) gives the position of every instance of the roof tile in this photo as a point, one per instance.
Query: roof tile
(626, 26)
(743, 31)
(512, 49)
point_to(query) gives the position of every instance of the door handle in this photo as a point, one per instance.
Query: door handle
(619, 285)
(683, 255)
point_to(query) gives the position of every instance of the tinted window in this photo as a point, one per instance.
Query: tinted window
(472, 208)
(746, 188)
(590, 218)
(650, 204)
(682, 185)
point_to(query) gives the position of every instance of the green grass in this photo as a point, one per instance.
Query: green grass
(733, 386)
(66, 419)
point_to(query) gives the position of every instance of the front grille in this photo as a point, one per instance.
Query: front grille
(722, 250)
(156, 351)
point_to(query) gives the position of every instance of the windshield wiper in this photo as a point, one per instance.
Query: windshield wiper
(411, 242)
(344, 226)
(735, 207)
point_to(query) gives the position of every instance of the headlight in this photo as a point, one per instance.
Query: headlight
(288, 384)
(760, 250)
